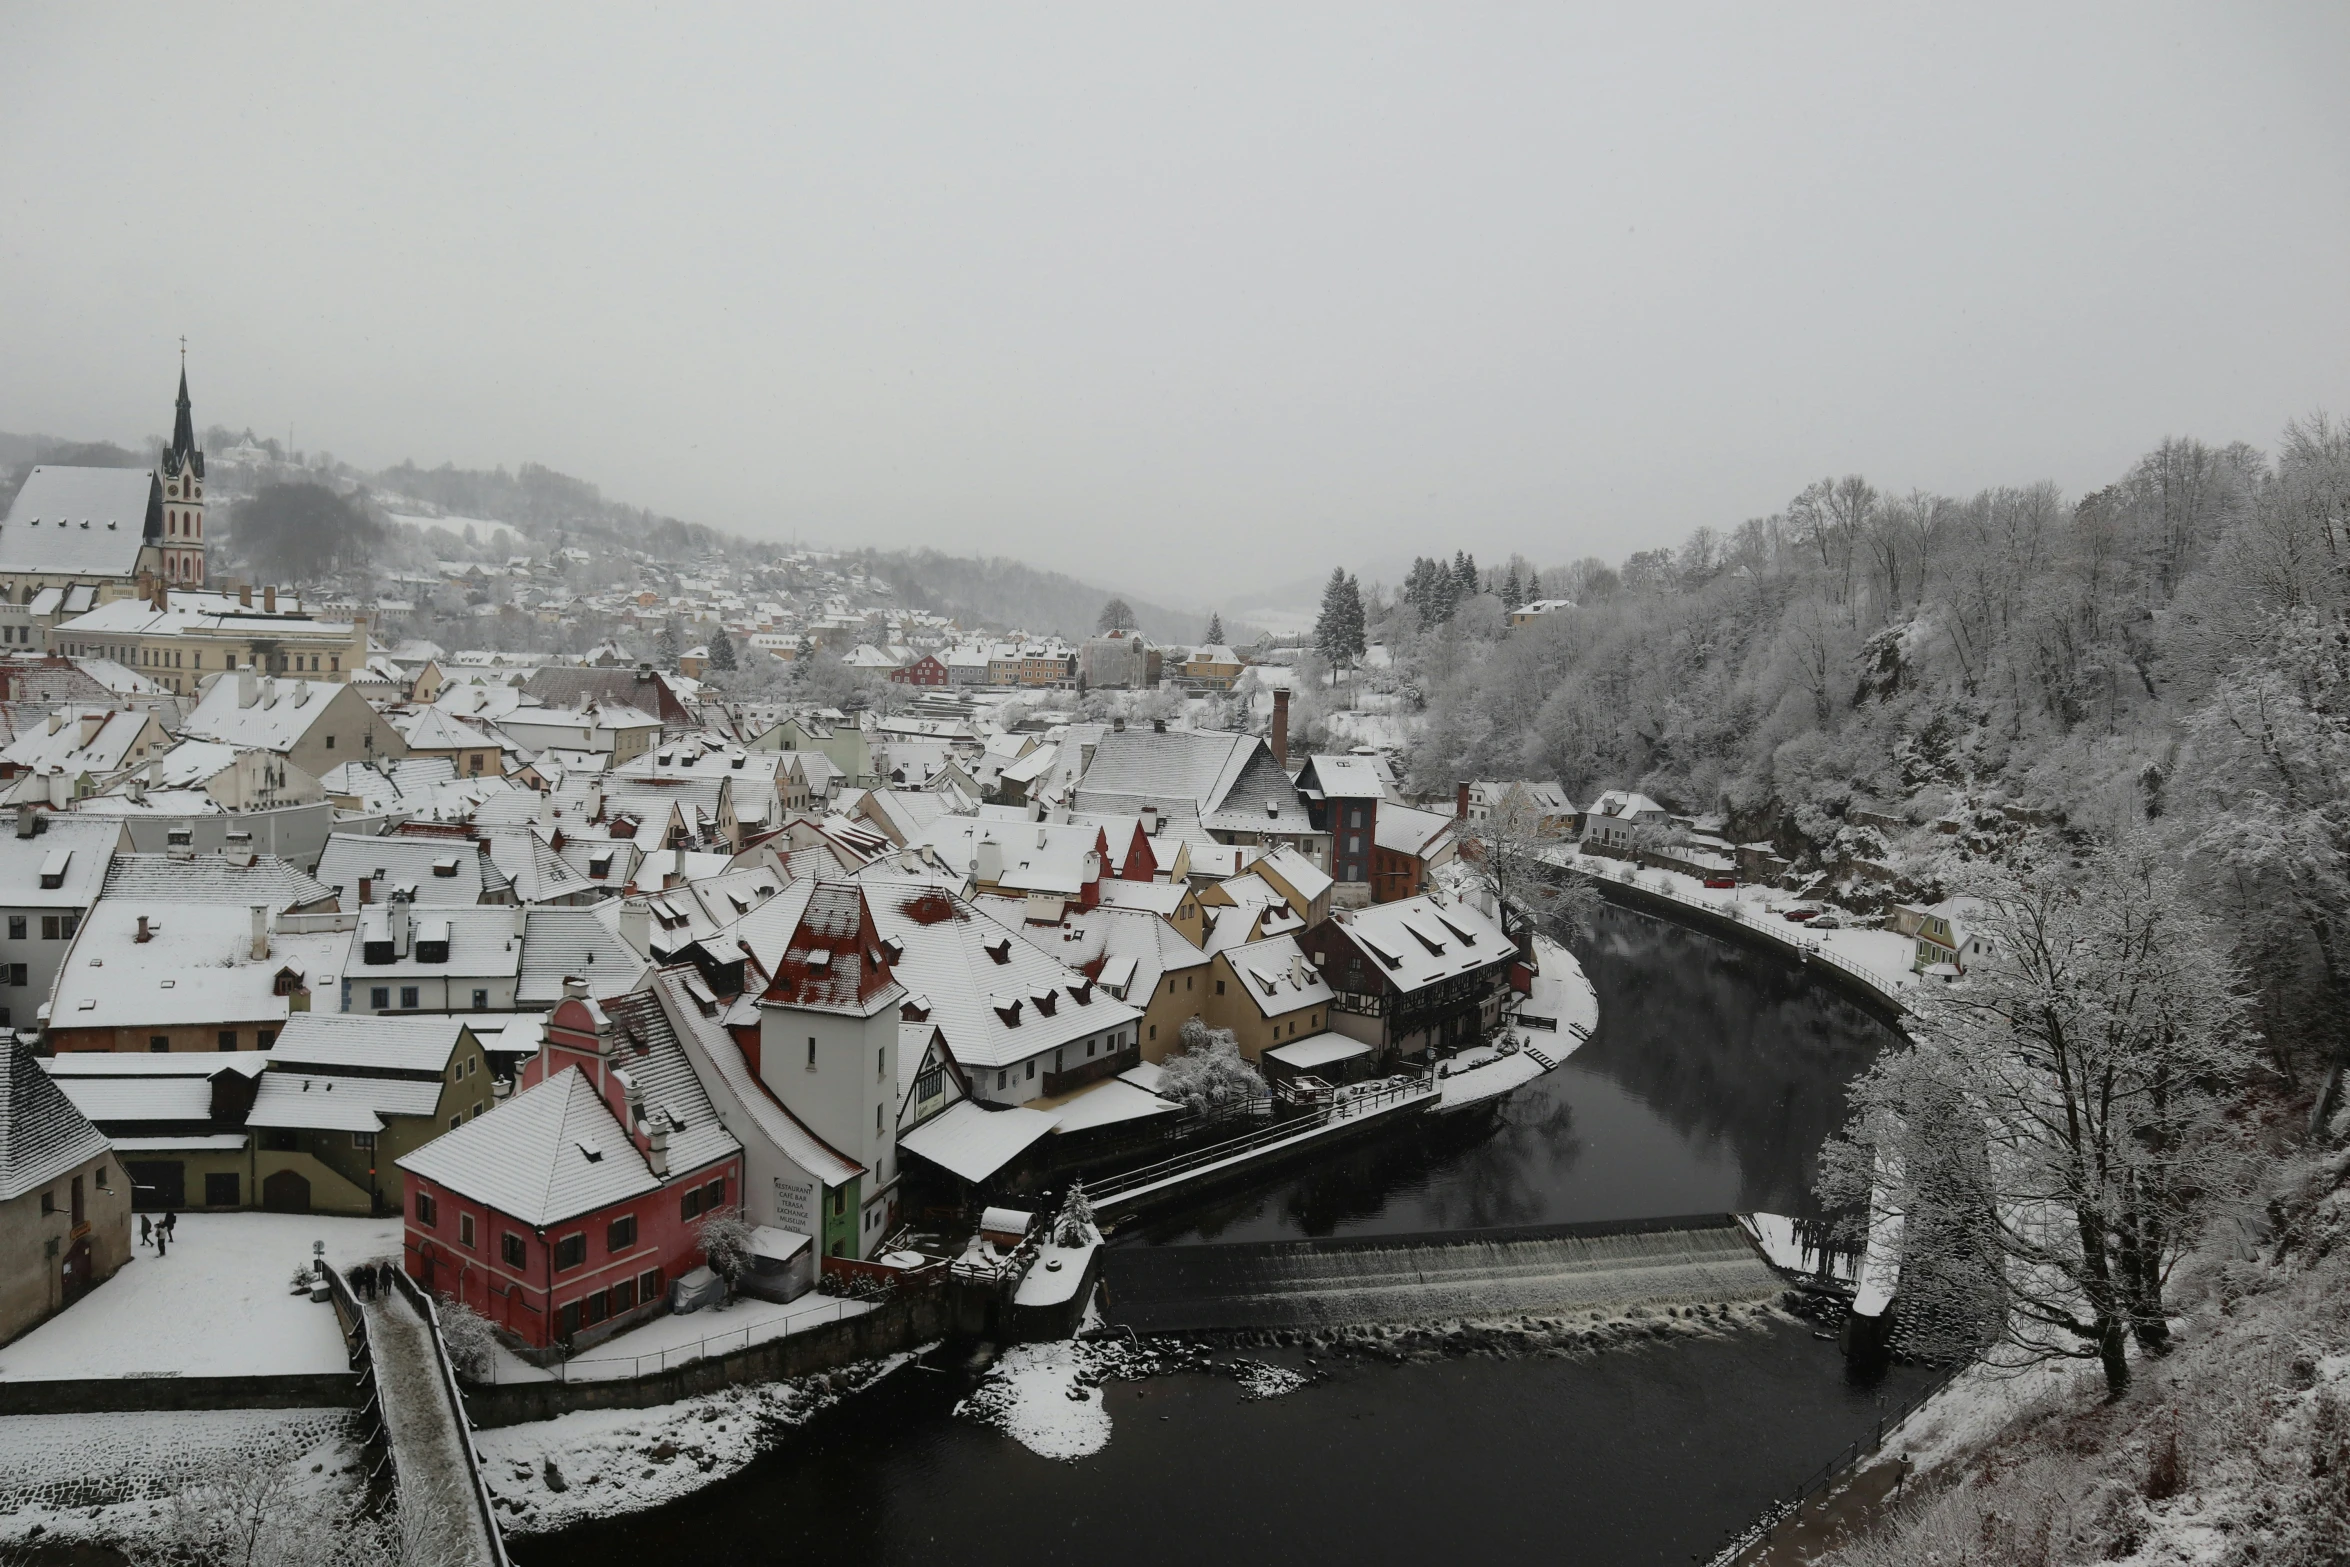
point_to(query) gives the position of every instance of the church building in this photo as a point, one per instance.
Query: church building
(80, 537)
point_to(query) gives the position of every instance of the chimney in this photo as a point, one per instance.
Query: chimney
(366, 890)
(248, 684)
(988, 861)
(92, 725)
(677, 865)
(636, 927)
(260, 949)
(162, 594)
(403, 923)
(269, 599)
(1281, 726)
(1460, 802)
(24, 822)
(574, 988)
(144, 934)
(244, 595)
(657, 1147)
(136, 787)
(1158, 726)
(1117, 726)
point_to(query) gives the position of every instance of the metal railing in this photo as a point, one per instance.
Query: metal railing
(384, 1473)
(422, 1301)
(606, 1368)
(1346, 1106)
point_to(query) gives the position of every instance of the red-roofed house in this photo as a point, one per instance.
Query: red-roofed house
(924, 671)
(564, 1214)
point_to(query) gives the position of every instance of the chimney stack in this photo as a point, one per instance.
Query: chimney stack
(244, 595)
(1460, 802)
(25, 827)
(366, 887)
(1281, 726)
(260, 932)
(269, 599)
(144, 935)
(248, 684)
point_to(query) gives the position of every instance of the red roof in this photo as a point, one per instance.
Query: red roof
(836, 958)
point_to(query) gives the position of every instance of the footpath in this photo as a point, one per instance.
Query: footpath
(441, 1502)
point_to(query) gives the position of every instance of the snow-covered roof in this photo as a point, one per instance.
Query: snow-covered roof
(1127, 950)
(82, 739)
(974, 1143)
(421, 1043)
(70, 852)
(668, 1087)
(339, 1103)
(186, 1096)
(42, 1135)
(444, 872)
(1403, 830)
(576, 942)
(77, 521)
(1111, 1102)
(194, 968)
(1029, 856)
(1322, 1050)
(1276, 976)
(482, 942)
(240, 880)
(1301, 875)
(551, 1152)
(703, 1035)
(1418, 941)
(283, 711)
(1345, 777)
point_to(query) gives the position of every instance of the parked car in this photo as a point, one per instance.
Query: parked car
(1721, 881)
(1803, 912)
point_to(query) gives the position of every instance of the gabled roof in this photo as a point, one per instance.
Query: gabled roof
(196, 967)
(42, 1135)
(81, 521)
(283, 712)
(579, 942)
(1417, 941)
(1276, 977)
(552, 1152)
(367, 1043)
(401, 860)
(335, 1103)
(834, 959)
(704, 1037)
(1342, 778)
(237, 880)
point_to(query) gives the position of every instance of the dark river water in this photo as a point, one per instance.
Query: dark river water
(1713, 1078)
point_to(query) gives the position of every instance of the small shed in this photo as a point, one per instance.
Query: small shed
(783, 1264)
(1005, 1228)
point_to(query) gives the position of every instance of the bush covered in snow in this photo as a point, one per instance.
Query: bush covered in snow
(1073, 1225)
(725, 1240)
(471, 1341)
(1209, 1074)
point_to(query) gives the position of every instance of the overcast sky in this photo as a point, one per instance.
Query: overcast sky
(1181, 297)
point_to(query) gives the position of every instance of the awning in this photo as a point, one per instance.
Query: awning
(973, 1143)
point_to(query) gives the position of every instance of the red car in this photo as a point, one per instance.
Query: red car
(1800, 915)
(1721, 881)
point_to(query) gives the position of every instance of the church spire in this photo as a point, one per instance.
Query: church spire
(183, 428)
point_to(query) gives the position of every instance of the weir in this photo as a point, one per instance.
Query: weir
(1504, 1272)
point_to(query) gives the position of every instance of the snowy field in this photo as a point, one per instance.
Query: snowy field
(552, 1473)
(675, 1340)
(217, 1305)
(109, 1477)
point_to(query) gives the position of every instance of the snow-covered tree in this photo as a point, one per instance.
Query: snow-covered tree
(725, 1242)
(1215, 629)
(1116, 615)
(721, 651)
(1074, 1224)
(1209, 1073)
(669, 643)
(2053, 1130)
(472, 1343)
(1339, 632)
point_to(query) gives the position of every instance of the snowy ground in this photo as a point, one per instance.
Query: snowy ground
(1056, 1275)
(109, 1477)
(1561, 992)
(553, 1473)
(675, 1340)
(1882, 958)
(216, 1305)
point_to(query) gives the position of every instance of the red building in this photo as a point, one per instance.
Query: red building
(924, 671)
(563, 1214)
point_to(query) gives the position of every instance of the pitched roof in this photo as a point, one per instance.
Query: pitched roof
(834, 960)
(194, 968)
(239, 880)
(338, 1103)
(1276, 976)
(42, 1135)
(402, 860)
(702, 1034)
(549, 1153)
(577, 942)
(1418, 941)
(81, 521)
(384, 1044)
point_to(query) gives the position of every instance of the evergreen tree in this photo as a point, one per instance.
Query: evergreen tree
(668, 644)
(1509, 590)
(1464, 575)
(721, 650)
(1215, 629)
(1116, 615)
(1339, 630)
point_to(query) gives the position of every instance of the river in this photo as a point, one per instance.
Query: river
(1712, 1079)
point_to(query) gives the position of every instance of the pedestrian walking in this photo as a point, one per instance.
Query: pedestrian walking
(171, 1223)
(367, 1280)
(146, 1230)
(162, 1235)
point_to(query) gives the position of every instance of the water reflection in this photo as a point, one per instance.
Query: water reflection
(1715, 1076)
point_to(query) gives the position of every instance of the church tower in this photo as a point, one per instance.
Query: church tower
(183, 496)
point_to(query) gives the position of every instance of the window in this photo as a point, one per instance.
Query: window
(648, 1285)
(67, 924)
(840, 1201)
(1032, 1066)
(228, 1039)
(48, 927)
(714, 1195)
(880, 1065)
(16, 974)
(567, 1318)
(16, 924)
(1219, 987)
(330, 742)
(511, 1249)
(570, 1251)
(689, 1205)
(623, 1296)
(622, 1233)
(428, 1212)
(408, 998)
(158, 1042)
(48, 1202)
(811, 1052)
(481, 1001)
(456, 1120)
(465, 1230)
(999, 1079)
(380, 997)
(365, 1140)
(264, 1038)
(877, 1119)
